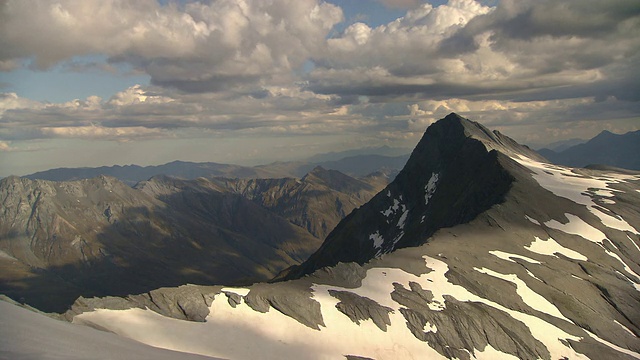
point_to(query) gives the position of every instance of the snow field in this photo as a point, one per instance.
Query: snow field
(580, 189)
(551, 247)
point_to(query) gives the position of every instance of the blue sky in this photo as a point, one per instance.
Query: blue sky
(103, 82)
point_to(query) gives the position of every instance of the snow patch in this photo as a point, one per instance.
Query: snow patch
(532, 220)
(392, 209)
(545, 332)
(577, 226)
(528, 296)
(625, 328)
(377, 239)
(430, 188)
(613, 346)
(580, 189)
(551, 247)
(430, 328)
(403, 218)
(633, 242)
(237, 291)
(614, 222)
(242, 333)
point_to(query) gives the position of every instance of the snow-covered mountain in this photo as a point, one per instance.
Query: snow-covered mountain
(479, 249)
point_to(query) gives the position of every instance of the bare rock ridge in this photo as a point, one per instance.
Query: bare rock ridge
(456, 156)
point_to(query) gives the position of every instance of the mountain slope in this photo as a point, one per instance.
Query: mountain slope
(537, 262)
(604, 149)
(450, 178)
(317, 202)
(51, 339)
(60, 240)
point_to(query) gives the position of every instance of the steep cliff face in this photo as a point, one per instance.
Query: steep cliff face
(477, 250)
(453, 175)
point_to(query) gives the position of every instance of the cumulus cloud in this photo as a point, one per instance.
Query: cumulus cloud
(195, 46)
(526, 50)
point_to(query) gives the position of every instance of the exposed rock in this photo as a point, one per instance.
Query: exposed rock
(233, 298)
(359, 308)
(188, 302)
(294, 301)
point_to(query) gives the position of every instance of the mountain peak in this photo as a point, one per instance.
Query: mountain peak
(455, 172)
(454, 126)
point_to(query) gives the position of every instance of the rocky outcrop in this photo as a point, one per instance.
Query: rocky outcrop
(187, 302)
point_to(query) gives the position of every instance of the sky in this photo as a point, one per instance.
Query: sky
(105, 82)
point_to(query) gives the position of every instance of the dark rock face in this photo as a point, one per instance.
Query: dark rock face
(452, 176)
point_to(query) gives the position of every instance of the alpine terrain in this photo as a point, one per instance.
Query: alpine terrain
(479, 249)
(97, 237)
(605, 149)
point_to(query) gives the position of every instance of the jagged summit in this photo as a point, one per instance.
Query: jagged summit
(456, 128)
(453, 174)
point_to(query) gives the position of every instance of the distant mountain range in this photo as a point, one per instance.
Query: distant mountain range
(95, 237)
(605, 149)
(381, 150)
(356, 166)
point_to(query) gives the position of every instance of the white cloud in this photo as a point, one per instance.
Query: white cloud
(196, 46)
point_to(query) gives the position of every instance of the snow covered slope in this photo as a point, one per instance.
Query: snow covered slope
(26, 335)
(478, 249)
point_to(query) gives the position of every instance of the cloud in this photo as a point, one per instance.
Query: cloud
(279, 69)
(195, 46)
(525, 50)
